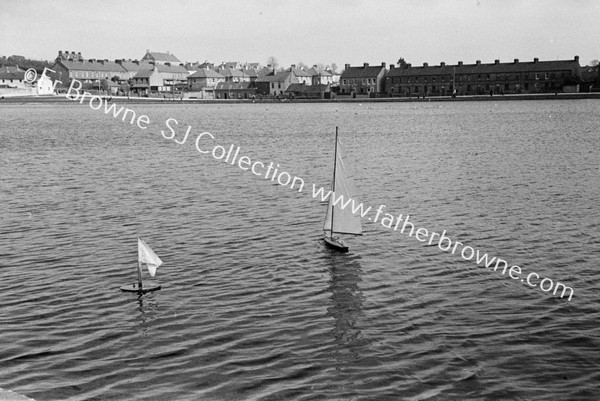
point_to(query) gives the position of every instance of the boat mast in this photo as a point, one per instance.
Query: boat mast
(334, 165)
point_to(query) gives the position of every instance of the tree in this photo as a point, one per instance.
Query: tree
(272, 62)
(333, 67)
(300, 65)
(401, 63)
(594, 62)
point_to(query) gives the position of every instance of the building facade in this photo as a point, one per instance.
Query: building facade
(87, 71)
(205, 78)
(363, 80)
(160, 58)
(478, 79)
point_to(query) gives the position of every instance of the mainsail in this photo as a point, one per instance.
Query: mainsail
(343, 220)
(146, 255)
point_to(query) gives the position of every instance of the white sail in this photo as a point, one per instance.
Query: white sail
(146, 255)
(343, 221)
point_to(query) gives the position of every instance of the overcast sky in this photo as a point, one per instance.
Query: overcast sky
(311, 31)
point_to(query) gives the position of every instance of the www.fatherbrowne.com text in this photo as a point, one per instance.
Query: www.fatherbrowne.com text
(231, 155)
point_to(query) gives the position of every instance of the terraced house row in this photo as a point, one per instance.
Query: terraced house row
(464, 79)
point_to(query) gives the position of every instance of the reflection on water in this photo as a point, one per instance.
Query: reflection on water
(147, 306)
(347, 300)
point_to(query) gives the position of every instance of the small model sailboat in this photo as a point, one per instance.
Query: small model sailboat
(145, 256)
(338, 220)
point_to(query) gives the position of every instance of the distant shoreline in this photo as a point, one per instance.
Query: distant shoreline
(138, 100)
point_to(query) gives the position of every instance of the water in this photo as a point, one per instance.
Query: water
(253, 306)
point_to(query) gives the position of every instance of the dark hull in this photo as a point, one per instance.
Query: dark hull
(146, 287)
(335, 243)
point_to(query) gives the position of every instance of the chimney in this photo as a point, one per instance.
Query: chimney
(147, 50)
(383, 65)
(136, 62)
(478, 62)
(442, 64)
(168, 64)
(101, 61)
(365, 65)
(516, 61)
(576, 59)
(425, 65)
(346, 66)
(91, 60)
(391, 66)
(293, 65)
(106, 60)
(79, 54)
(60, 53)
(408, 65)
(460, 63)
(496, 61)
(535, 60)
(117, 61)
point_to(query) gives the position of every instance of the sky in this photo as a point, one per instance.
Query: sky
(308, 31)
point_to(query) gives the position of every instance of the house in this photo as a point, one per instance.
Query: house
(44, 85)
(275, 84)
(12, 78)
(236, 65)
(87, 71)
(161, 78)
(233, 75)
(148, 81)
(476, 79)
(205, 78)
(160, 58)
(132, 67)
(320, 75)
(301, 75)
(363, 80)
(303, 91)
(250, 74)
(235, 90)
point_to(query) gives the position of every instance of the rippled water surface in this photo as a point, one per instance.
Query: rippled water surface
(253, 306)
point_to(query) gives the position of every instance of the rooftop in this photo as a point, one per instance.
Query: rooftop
(479, 68)
(365, 71)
